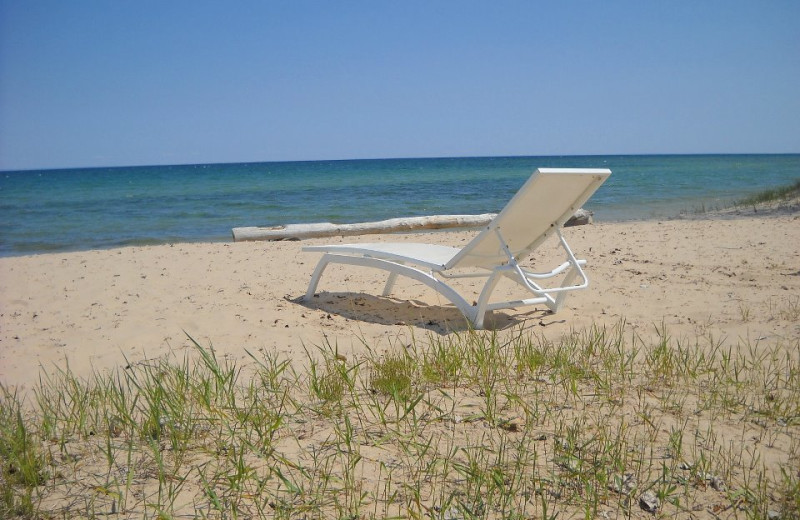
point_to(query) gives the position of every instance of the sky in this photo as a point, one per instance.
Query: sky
(115, 83)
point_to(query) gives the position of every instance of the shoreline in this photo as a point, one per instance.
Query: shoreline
(779, 207)
(87, 209)
(730, 275)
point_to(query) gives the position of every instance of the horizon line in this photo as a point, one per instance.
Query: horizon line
(513, 156)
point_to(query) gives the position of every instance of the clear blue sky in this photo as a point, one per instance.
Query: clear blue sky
(93, 83)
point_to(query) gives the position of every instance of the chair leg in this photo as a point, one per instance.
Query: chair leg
(387, 289)
(312, 285)
(559, 303)
(483, 299)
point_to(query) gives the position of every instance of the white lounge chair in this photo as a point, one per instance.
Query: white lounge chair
(538, 210)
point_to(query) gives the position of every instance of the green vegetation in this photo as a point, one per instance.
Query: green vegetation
(771, 195)
(469, 425)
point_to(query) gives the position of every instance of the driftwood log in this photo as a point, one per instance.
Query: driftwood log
(395, 225)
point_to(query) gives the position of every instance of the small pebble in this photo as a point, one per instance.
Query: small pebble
(718, 484)
(649, 502)
(623, 484)
(453, 513)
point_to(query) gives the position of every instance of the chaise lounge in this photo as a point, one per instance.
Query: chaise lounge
(537, 211)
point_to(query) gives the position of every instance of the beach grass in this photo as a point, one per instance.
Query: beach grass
(771, 195)
(770, 198)
(600, 422)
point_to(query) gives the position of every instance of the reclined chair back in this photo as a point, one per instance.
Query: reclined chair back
(544, 203)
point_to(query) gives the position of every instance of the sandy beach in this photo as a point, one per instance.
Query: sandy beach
(735, 276)
(687, 415)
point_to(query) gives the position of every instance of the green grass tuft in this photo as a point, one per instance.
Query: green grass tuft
(394, 376)
(771, 195)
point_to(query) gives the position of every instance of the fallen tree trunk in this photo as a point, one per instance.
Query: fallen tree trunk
(327, 229)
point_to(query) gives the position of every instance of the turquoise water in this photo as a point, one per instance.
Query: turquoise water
(78, 209)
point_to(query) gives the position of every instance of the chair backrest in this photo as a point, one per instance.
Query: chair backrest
(544, 203)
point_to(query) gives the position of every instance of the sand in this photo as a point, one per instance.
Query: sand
(735, 277)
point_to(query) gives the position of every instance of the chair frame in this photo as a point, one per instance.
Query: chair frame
(553, 297)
